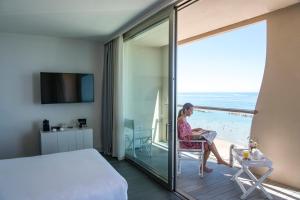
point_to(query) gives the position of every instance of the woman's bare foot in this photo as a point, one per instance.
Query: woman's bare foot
(222, 162)
(207, 170)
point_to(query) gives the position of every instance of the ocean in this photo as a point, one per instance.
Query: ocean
(232, 127)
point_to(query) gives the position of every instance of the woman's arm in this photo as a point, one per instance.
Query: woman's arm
(197, 129)
(198, 132)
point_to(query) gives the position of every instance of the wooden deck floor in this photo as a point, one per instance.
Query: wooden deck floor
(214, 186)
(217, 185)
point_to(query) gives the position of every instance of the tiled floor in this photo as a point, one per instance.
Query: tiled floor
(140, 186)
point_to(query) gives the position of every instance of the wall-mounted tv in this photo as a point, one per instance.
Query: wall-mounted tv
(66, 87)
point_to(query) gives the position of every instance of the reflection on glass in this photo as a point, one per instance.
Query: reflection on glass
(146, 99)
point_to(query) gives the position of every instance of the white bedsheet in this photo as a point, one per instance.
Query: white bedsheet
(75, 175)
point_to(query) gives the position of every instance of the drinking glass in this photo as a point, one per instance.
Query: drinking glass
(246, 154)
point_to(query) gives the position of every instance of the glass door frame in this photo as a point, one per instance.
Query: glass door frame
(172, 98)
(165, 14)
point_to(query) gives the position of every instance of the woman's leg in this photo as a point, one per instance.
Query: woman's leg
(206, 155)
(214, 150)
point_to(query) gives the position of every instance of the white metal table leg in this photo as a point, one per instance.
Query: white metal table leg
(257, 183)
(246, 164)
(240, 184)
(237, 174)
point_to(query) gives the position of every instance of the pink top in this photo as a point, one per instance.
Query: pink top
(185, 133)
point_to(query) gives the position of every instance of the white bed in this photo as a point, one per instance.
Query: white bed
(75, 175)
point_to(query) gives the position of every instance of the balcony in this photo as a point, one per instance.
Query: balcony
(233, 127)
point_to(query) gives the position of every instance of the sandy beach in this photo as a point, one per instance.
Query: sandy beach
(223, 147)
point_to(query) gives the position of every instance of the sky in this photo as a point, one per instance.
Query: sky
(233, 61)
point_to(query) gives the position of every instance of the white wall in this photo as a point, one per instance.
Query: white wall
(22, 58)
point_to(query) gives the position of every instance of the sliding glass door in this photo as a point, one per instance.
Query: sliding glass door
(148, 95)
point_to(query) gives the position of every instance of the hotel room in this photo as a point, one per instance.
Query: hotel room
(90, 94)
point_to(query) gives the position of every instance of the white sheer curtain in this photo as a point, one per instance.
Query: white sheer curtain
(118, 141)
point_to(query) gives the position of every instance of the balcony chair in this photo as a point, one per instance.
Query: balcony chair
(140, 137)
(198, 152)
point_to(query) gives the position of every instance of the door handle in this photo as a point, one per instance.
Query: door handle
(167, 130)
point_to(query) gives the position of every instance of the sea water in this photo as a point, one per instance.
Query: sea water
(232, 127)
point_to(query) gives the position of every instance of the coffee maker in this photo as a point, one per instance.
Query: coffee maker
(46, 126)
(82, 123)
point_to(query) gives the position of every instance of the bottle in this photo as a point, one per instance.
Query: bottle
(46, 126)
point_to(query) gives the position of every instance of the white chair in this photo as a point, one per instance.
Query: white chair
(141, 136)
(181, 154)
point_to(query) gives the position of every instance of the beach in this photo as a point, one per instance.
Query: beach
(231, 127)
(223, 147)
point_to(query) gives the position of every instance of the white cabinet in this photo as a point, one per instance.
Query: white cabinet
(49, 142)
(67, 140)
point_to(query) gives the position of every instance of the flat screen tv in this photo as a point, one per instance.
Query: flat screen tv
(66, 87)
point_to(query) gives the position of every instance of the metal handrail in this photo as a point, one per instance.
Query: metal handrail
(234, 110)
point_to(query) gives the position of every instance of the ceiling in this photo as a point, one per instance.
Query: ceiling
(154, 37)
(85, 19)
(102, 19)
(208, 15)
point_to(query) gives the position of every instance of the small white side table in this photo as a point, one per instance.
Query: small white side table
(251, 163)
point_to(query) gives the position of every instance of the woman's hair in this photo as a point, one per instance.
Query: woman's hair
(185, 107)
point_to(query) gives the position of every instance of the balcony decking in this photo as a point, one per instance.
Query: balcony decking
(215, 185)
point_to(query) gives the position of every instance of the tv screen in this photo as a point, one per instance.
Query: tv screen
(66, 87)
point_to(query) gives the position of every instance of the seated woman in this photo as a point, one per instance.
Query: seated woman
(185, 132)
